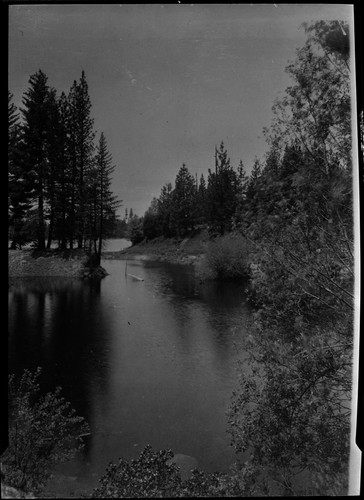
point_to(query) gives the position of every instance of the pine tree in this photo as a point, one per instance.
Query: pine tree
(82, 149)
(254, 178)
(63, 191)
(202, 201)
(184, 202)
(152, 221)
(19, 188)
(36, 110)
(105, 203)
(55, 151)
(222, 193)
(165, 202)
(242, 184)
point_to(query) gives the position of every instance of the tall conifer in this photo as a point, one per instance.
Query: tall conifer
(105, 202)
(18, 185)
(82, 137)
(36, 103)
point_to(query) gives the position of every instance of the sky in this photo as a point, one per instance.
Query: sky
(167, 82)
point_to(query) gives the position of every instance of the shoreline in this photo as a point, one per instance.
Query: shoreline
(189, 250)
(151, 257)
(67, 264)
(74, 263)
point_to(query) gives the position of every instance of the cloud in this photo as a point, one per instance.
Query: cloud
(135, 82)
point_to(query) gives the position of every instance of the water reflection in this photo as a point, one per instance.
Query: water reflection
(143, 362)
(217, 309)
(53, 322)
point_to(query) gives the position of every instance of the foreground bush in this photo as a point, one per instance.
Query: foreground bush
(148, 476)
(43, 430)
(153, 475)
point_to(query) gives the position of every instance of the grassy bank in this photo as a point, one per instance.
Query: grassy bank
(67, 263)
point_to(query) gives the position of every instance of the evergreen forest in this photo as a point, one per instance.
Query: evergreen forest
(59, 176)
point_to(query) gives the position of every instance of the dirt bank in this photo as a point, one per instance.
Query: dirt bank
(187, 250)
(72, 264)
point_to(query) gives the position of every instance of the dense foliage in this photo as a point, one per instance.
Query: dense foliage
(155, 475)
(293, 412)
(43, 430)
(59, 181)
(147, 476)
(226, 257)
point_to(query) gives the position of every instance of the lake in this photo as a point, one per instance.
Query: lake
(145, 362)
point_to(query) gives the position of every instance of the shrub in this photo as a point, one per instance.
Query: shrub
(43, 430)
(153, 475)
(226, 257)
(148, 476)
(135, 230)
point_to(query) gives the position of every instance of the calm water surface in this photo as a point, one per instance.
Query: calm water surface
(148, 361)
